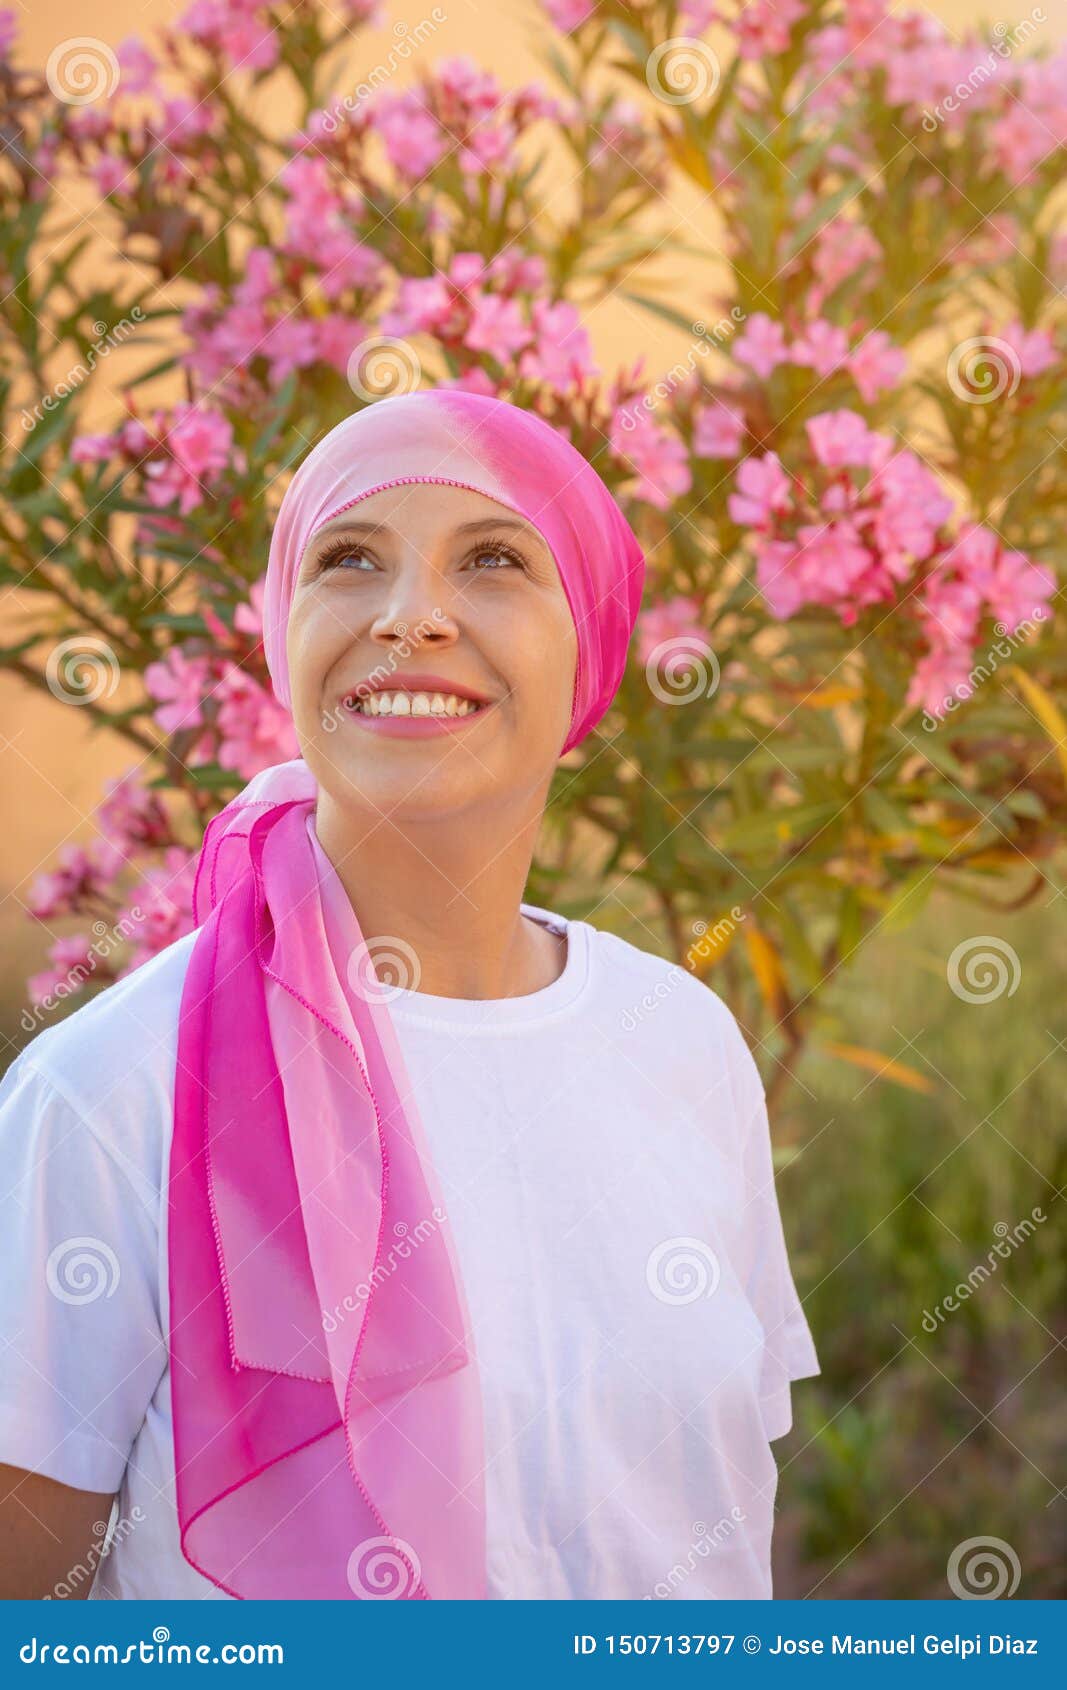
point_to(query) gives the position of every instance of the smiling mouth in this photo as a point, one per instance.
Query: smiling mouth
(414, 704)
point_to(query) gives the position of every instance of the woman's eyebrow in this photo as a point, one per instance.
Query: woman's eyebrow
(492, 522)
(342, 525)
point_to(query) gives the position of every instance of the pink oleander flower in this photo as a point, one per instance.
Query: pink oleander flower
(255, 731)
(1020, 141)
(842, 439)
(869, 516)
(764, 492)
(336, 338)
(465, 89)
(478, 380)
(657, 457)
(765, 26)
(719, 431)
(875, 364)
(497, 327)
(1034, 348)
(92, 448)
(109, 174)
(827, 564)
(180, 684)
(291, 343)
(907, 507)
(313, 197)
(9, 30)
(233, 30)
(1010, 585)
(319, 222)
(137, 65)
(676, 622)
(761, 344)
(180, 122)
(160, 909)
(568, 15)
(423, 304)
(413, 139)
(487, 149)
(200, 444)
(842, 250)
(950, 613)
(561, 353)
(821, 346)
(941, 674)
(200, 440)
(130, 815)
(65, 888)
(1019, 588)
(134, 438)
(248, 618)
(227, 338)
(515, 271)
(694, 16)
(72, 962)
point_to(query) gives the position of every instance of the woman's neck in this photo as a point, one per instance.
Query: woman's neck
(450, 889)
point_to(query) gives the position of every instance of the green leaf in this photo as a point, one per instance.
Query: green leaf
(667, 312)
(908, 901)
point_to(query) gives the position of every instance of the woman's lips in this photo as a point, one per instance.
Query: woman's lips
(415, 727)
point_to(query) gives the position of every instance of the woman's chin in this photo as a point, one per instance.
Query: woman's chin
(412, 788)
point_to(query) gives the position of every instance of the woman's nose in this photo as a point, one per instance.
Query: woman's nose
(415, 604)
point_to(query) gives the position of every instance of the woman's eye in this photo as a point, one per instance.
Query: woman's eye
(347, 556)
(498, 556)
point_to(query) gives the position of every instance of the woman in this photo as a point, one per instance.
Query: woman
(388, 1235)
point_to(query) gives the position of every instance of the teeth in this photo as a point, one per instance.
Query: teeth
(415, 704)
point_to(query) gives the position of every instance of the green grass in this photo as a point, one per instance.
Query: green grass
(912, 1442)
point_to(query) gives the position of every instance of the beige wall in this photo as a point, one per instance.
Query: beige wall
(52, 765)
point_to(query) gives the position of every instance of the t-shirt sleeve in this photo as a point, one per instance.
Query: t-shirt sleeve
(788, 1348)
(789, 1351)
(81, 1345)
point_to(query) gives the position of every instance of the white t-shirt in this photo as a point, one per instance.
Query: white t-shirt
(603, 1154)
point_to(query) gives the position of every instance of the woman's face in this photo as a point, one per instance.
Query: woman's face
(431, 589)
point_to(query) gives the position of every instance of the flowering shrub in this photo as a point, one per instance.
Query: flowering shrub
(849, 485)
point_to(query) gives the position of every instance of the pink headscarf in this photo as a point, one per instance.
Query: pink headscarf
(326, 1403)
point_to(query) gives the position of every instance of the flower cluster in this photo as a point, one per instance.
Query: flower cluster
(498, 310)
(216, 695)
(872, 360)
(297, 249)
(182, 454)
(854, 529)
(108, 883)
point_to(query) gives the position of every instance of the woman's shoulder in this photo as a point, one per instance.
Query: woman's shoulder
(111, 1061)
(632, 965)
(655, 992)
